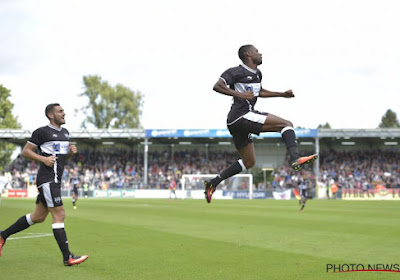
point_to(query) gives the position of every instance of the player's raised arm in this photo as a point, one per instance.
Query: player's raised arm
(267, 93)
(221, 87)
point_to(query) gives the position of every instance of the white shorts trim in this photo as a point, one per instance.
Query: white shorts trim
(251, 116)
(47, 194)
(254, 117)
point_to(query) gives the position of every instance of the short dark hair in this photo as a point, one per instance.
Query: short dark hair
(242, 51)
(49, 108)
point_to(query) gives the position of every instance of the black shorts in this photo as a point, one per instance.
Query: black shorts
(75, 190)
(242, 128)
(49, 194)
(304, 193)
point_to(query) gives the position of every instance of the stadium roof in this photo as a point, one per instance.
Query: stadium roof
(168, 136)
(20, 136)
(360, 133)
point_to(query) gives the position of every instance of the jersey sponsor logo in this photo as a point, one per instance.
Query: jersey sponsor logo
(55, 147)
(243, 87)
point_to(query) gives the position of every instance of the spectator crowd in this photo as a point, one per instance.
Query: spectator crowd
(125, 169)
(357, 170)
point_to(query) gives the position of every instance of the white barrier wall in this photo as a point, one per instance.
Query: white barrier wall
(135, 193)
(195, 194)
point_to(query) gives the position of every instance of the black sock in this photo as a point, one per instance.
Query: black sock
(73, 202)
(62, 241)
(233, 169)
(22, 223)
(303, 203)
(289, 137)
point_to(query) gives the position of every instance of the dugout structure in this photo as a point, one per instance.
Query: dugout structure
(270, 149)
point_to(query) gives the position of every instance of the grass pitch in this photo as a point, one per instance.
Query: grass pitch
(190, 239)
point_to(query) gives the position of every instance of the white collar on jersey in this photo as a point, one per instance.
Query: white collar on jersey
(53, 127)
(249, 69)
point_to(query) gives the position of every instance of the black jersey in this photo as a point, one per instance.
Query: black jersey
(242, 78)
(75, 181)
(303, 187)
(51, 140)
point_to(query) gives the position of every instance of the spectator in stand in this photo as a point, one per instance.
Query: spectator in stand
(352, 171)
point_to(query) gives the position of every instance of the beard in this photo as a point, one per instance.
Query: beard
(257, 61)
(60, 121)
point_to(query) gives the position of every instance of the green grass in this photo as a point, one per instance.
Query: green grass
(190, 239)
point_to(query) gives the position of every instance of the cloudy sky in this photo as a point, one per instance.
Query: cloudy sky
(340, 57)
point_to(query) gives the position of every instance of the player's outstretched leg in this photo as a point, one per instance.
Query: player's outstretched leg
(21, 224)
(235, 168)
(298, 163)
(303, 204)
(74, 260)
(209, 190)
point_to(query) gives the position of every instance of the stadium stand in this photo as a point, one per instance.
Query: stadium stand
(357, 159)
(121, 169)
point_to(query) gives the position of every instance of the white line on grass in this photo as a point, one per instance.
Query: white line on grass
(31, 235)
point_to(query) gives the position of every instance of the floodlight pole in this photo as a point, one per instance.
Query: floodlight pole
(316, 164)
(145, 163)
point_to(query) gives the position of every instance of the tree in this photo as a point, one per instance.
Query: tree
(389, 120)
(326, 125)
(7, 120)
(110, 107)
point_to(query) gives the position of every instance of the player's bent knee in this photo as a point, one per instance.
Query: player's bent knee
(288, 123)
(249, 163)
(58, 214)
(38, 219)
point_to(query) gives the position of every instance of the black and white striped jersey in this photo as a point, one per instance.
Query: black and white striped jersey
(75, 181)
(242, 78)
(303, 186)
(51, 140)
